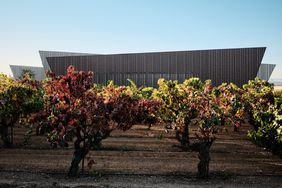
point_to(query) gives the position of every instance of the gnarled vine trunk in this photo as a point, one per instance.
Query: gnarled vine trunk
(203, 147)
(82, 146)
(6, 137)
(78, 156)
(183, 136)
(80, 151)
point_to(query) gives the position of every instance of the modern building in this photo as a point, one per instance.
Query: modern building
(17, 70)
(265, 71)
(45, 54)
(236, 65)
(39, 72)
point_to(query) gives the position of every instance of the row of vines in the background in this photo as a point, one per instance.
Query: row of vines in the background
(18, 99)
(264, 107)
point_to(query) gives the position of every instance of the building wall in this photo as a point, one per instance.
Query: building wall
(222, 65)
(265, 71)
(18, 69)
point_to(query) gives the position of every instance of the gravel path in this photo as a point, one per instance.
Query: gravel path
(31, 179)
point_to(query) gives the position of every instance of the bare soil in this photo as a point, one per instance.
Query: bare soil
(142, 158)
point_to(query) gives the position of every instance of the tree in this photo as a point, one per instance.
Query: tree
(258, 96)
(229, 98)
(265, 114)
(179, 104)
(27, 73)
(75, 110)
(198, 103)
(201, 109)
(17, 99)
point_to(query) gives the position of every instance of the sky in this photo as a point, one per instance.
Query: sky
(122, 26)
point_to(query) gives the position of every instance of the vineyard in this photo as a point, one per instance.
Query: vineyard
(183, 129)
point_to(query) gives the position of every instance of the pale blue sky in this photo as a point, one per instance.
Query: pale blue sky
(120, 26)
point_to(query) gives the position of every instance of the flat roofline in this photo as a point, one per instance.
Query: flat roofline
(269, 64)
(64, 52)
(25, 66)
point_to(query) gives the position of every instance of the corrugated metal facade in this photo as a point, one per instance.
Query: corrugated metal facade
(265, 71)
(220, 65)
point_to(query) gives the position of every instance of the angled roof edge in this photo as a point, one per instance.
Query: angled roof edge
(167, 51)
(263, 47)
(44, 54)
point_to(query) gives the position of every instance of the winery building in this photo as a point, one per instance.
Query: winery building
(236, 65)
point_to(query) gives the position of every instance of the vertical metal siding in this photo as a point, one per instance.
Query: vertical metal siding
(223, 65)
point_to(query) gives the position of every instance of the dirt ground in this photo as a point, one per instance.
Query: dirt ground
(142, 158)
